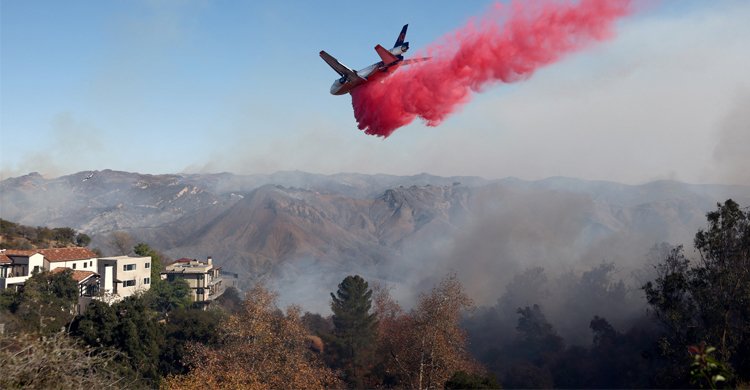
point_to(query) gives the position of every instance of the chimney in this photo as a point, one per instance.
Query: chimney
(209, 260)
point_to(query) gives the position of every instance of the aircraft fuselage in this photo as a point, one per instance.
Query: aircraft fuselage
(342, 86)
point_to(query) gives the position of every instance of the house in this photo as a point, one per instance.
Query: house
(203, 278)
(16, 266)
(75, 258)
(123, 276)
(115, 277)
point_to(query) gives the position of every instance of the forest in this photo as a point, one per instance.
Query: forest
(694, 332)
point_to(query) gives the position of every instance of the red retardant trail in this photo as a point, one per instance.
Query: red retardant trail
(506, 45)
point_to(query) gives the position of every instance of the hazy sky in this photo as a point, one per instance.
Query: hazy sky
(209, 86)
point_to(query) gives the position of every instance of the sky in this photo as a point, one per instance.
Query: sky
(232, 86)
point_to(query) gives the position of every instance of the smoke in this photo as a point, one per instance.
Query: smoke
(730, 152)
(506, 45)
(72, 144)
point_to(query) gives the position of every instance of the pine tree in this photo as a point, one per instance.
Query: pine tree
(354, 328)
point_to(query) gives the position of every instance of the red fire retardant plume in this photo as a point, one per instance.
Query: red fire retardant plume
(506, 45)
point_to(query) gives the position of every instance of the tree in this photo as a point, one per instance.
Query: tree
(261, 348)
(131, 328)
(166, 296)
(186, 326)
(96, 326)
(64, 235)
(353, 328)
(122, 242)
(157, 259)
(83, 239)
(426, 346)
(708, 302)
(538, 340)
(721, 283)
(47, 302)
(139, 336)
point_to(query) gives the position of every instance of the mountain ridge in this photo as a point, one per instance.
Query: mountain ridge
(302, 227)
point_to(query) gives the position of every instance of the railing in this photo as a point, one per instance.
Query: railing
(4, 282)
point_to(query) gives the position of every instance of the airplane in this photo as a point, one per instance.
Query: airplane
(88, 177)
(390, 60)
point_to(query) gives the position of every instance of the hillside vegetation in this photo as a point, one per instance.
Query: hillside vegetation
(17, 236)
(696, 332)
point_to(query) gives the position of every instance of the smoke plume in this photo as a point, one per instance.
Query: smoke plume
(506, 45)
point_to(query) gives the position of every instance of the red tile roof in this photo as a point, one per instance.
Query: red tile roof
(77, 275)
(5, 256)
(67, 254)
(20, 252)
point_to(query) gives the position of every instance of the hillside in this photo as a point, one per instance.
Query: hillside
(17, 236)
(305, 231)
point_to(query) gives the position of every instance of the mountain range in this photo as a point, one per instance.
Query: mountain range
(303, 231)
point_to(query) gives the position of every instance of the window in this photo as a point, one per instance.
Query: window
(85, 264)
(74, 265)
(91, 263)
(128, 283)
(148, 265)
(146, 280)
(128, 267)
(36, 269)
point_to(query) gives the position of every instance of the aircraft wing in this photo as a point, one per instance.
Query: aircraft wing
(340, 68)
(385, 55)
(415, 60)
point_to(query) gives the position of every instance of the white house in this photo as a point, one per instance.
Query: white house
(18, 265)
(124, 275)
(75, 258)
(116, 277)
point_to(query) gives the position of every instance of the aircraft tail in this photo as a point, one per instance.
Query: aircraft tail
(402, 36)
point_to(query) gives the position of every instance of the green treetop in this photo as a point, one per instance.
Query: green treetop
(354, 327)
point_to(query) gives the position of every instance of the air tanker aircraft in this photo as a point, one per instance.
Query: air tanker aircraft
(391, 59)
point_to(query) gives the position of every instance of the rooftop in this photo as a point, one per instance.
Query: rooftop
(67, 254)
(185, 265)
(19, 252)
(122, 257)
(77, 275)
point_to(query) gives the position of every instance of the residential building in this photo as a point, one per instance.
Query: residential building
(114, 277)
(123, 276)
(75, 258)
(203, 278)
(16, 266)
